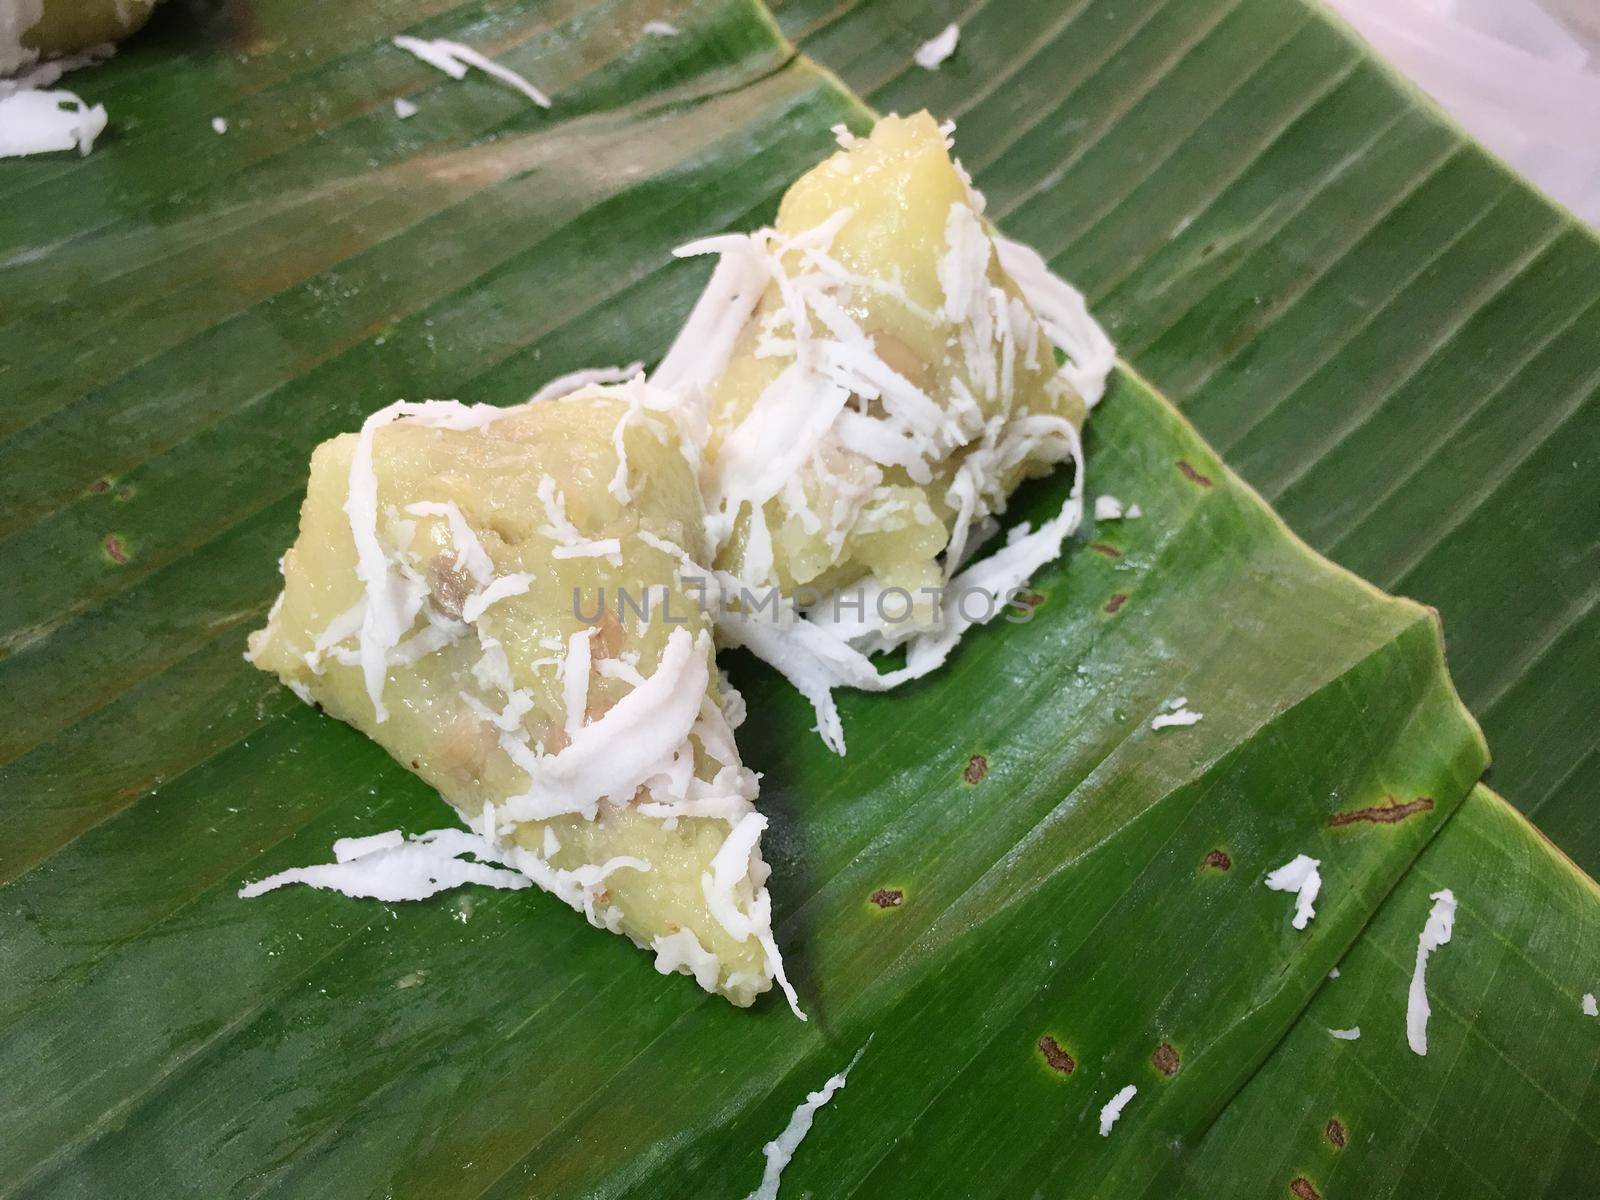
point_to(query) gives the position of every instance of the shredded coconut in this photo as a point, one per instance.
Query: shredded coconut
(1347, 1035)
(398, 870)
(613, 756)
(1114, 1107)
(514, 584)
(1181, 717)
(1299, 875)
(35, 122)
(682, 952)
(1441, 922)
(781, 1150)
(659, 29)
(938, 48)
(1590, 1007)
(346, 849)
(1109, 508)
(454, 59)
(573, 381)
(403, 108)
(219, 124)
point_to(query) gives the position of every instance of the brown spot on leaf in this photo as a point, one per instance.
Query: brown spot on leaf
(1108, 551)
(977, 767)
(100, 485)
(1301, 1187)
(1118, 599)
(1219, 860)
(1387, 813)
(887, 897)
(1192, 475)
(1029, 600)
(1056, 1056)
(115, 550)
(1336, 1133)
(1166, 1060)
(124, 492)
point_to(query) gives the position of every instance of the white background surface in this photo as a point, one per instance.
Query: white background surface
(1522, 76)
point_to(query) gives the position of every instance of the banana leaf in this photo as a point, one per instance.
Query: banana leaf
(1015, 894)
(1378, 325)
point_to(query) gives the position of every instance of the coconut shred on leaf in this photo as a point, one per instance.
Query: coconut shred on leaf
(876, 374)
(427, 602)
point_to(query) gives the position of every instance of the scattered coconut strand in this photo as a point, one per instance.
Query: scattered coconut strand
(385, 867)
(781, 1149)
(1176, 717)
(1114, 1107)
(403, 108)
(454, 59)
(659, 29)
(1299, 875)
(572, 381)
(1440, 924)
(1347, 1035)
(34, 122)
(936, 49)
(1591, 1008)
(1109, 508)
(219, 125)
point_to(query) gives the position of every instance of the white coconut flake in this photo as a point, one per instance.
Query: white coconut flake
(1109, 508)
(35, 122)
(514, 584)
(1170, 720)
(1346, 1035)
(732, 868)
(454, 59)
(613, 756)
(346, 849)
(1440, 924)
(659, 29)
(682, 952)
(1333, 974)
(938, 48)
(1114, 1107)
(1064, 315)
(404, 109)
(574, 381)
(781, 1149)
(1590, 1007)
(413, 870)
(219, 125)
(1299, 875)
(575, 678)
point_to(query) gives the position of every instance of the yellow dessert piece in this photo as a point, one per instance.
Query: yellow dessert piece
(497, 597)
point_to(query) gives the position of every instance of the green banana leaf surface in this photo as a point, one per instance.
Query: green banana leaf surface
(1013, 893)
